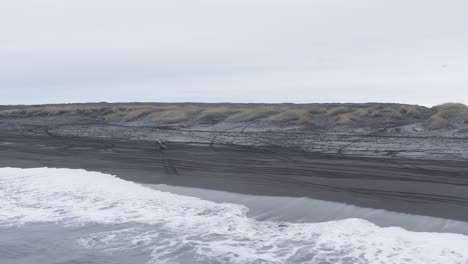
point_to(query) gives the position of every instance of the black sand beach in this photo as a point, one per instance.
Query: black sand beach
(436, 188)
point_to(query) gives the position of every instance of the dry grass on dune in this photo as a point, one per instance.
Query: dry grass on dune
(345, 119)
(375, 114)
(448, 114)
(392, 112)
(291, 116)
(256, 114)
(216, 114)
(339, 110)
(437, 122)
(125, 114)
(317, 110)
(451, 109)
(164, 114)
(306, 115)
(172, 115)
(412, 111)
(50, 111)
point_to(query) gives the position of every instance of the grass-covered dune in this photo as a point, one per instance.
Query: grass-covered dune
(315, 115)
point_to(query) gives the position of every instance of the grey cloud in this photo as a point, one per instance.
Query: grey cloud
(234, 50)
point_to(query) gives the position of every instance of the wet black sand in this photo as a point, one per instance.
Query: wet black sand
(427, 187)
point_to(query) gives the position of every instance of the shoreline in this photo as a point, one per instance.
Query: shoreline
(307, 210)
(421, 187)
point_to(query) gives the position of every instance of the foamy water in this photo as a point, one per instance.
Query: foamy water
(118, 217)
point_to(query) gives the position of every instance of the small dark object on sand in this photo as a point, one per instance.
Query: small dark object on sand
(162, 145)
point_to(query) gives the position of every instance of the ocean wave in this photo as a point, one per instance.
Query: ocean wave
(180, 229)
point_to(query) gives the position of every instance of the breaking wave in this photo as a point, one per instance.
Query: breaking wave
(179, 229)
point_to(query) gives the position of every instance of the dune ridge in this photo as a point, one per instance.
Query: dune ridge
(306, 115)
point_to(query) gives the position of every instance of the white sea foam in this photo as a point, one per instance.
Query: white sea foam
(180, 229)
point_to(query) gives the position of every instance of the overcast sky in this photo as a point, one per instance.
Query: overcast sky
(410, 51)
